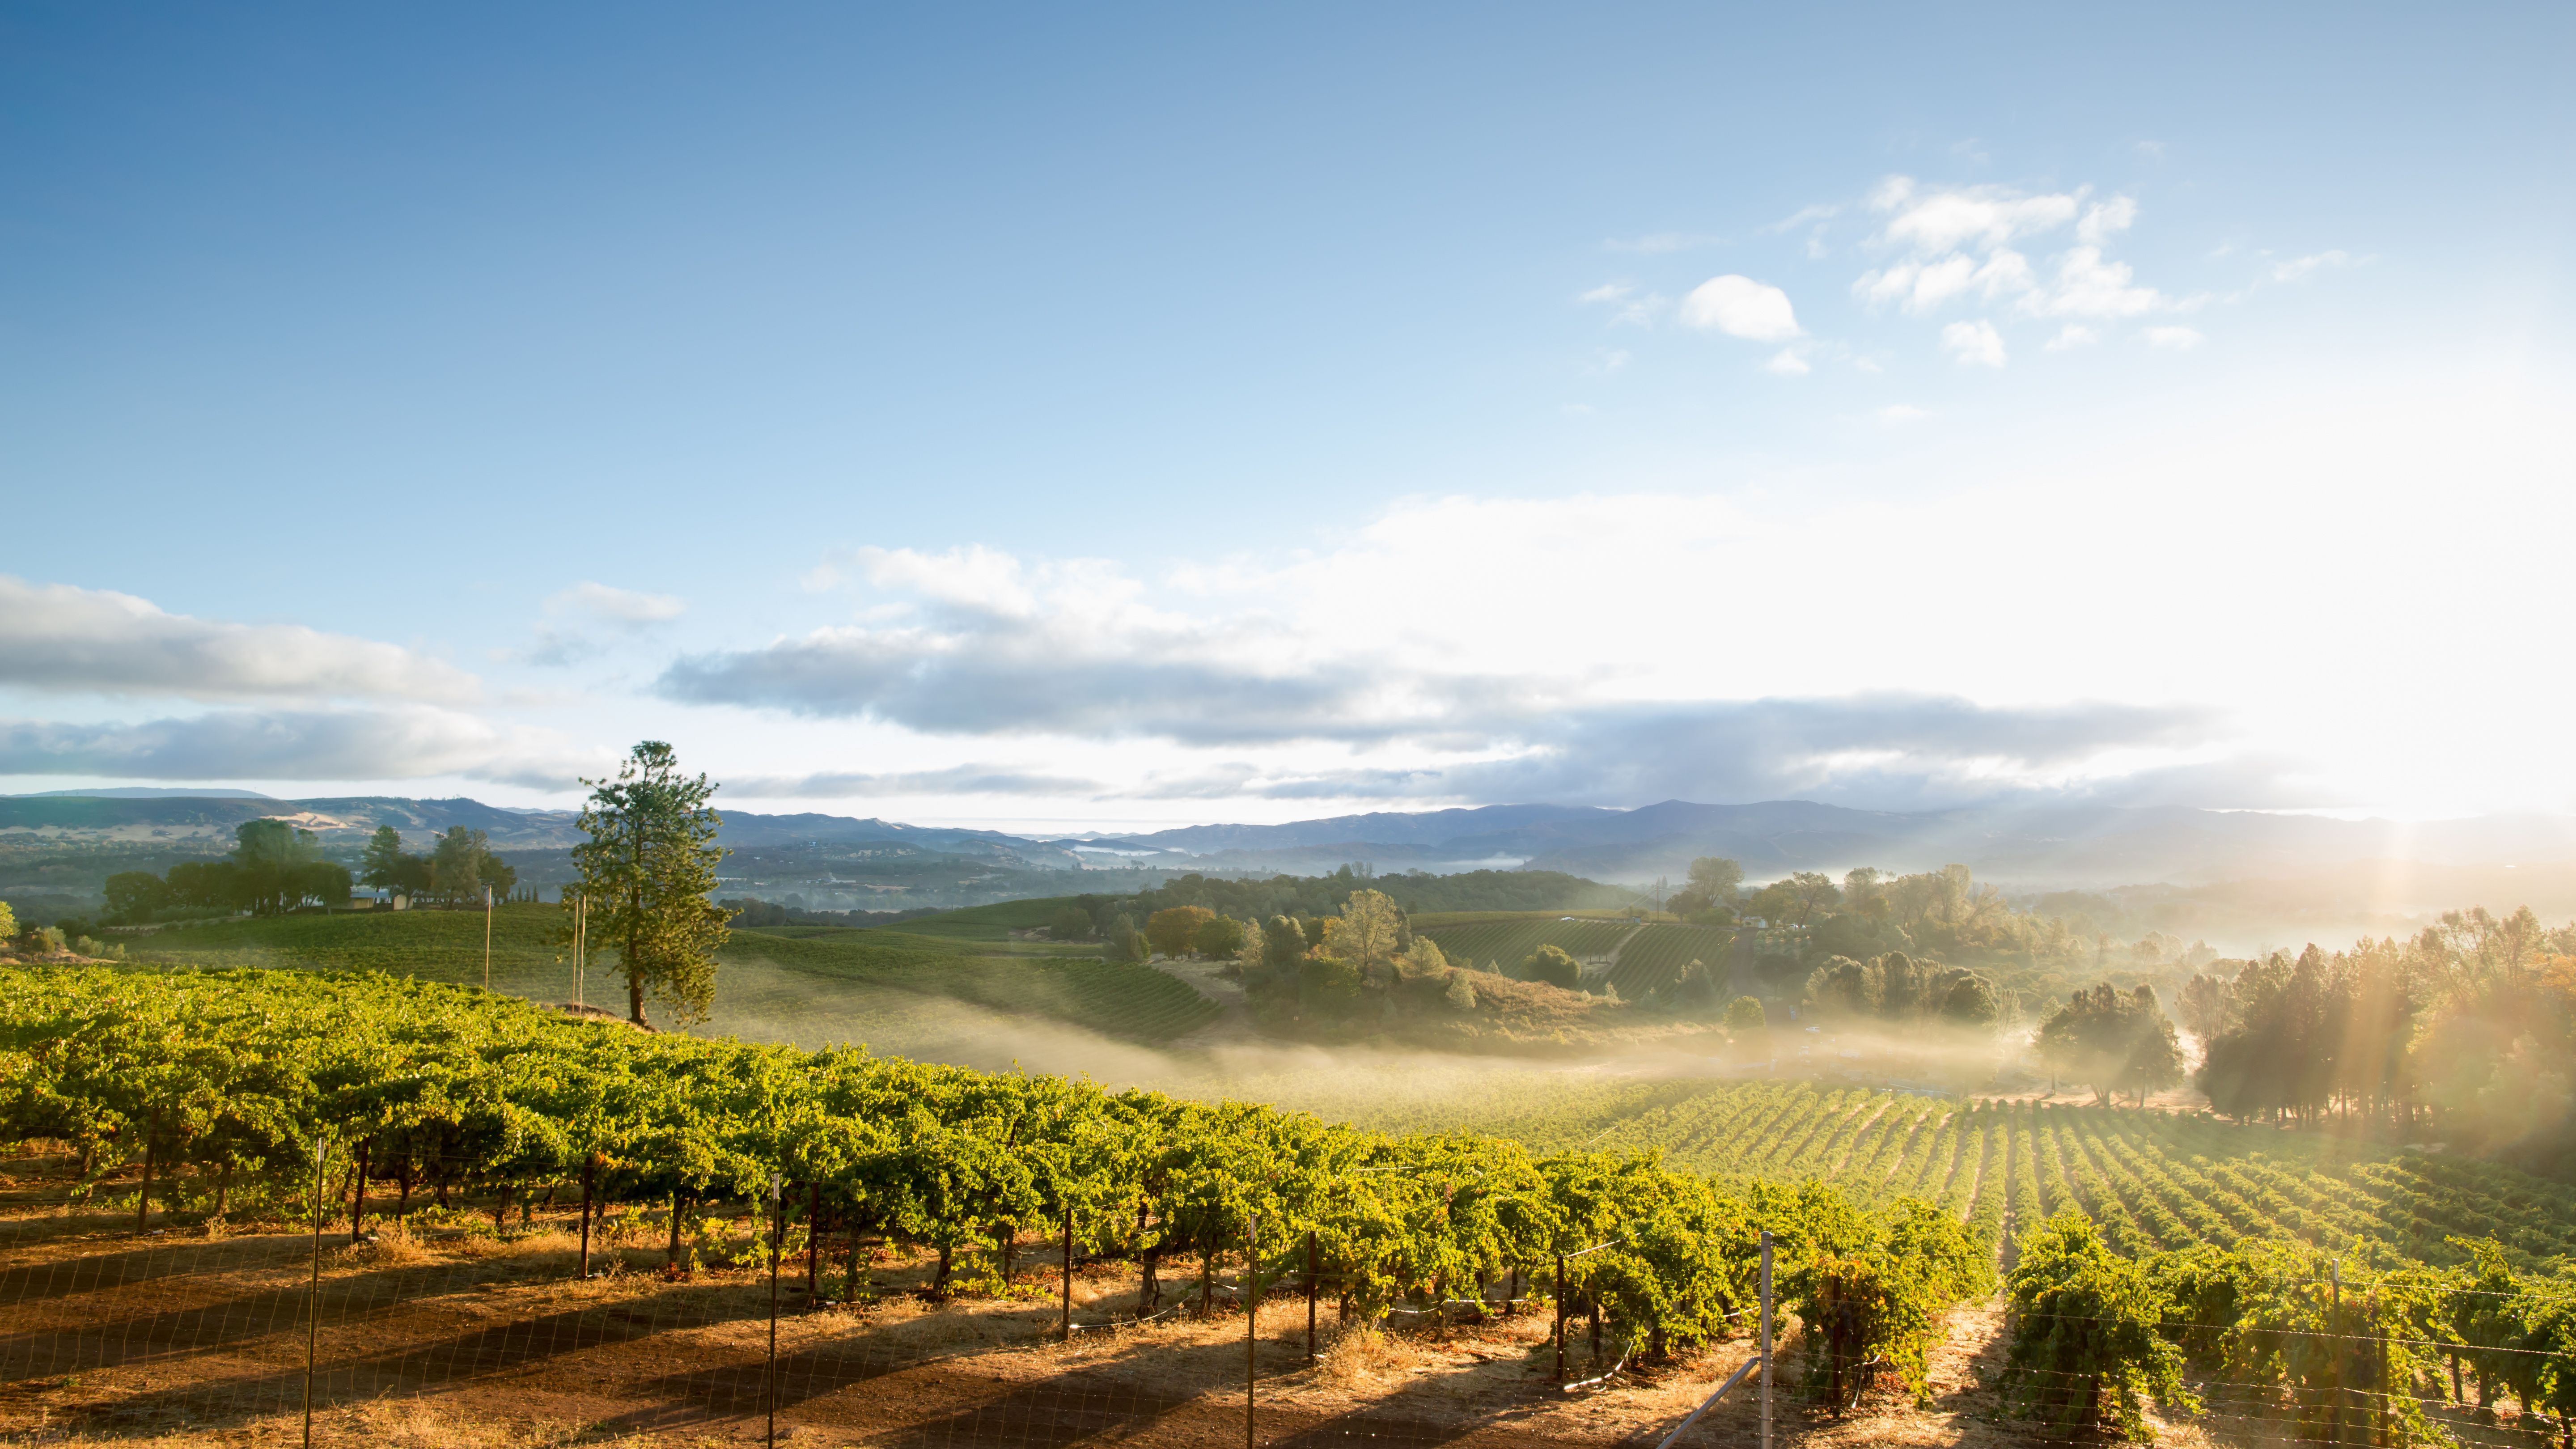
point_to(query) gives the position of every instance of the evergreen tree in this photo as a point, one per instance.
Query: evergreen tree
(647, 869)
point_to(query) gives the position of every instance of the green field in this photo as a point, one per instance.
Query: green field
(945, 994)
(1506, 939)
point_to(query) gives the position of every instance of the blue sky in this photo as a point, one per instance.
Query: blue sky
(1020, 415)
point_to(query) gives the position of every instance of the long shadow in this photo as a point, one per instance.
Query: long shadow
(95, 1272)
(516, 1344)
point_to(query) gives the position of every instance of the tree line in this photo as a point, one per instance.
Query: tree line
(2464, 1032)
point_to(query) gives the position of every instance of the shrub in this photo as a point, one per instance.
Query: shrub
(1552, 965)
(1744, 1013)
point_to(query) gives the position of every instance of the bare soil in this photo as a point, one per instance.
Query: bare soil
(458, 1339)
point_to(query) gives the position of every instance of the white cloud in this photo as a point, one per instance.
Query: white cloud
(2291, 271)
(1902, 413)
(2174, 339)
(615, 606)
(1636, 309)
(1974, 343)
(1921, 287)
(2105, 218)
(1946, 219)
(1802, 216)
(61, 638)
(2087, 286)
(2073, 334)
(1788, 363)
(360, 744)
(1741, 307)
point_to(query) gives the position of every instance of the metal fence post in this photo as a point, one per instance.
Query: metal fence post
(1559, 1334)
(777, 1249)
(313, 1296)
(1310, 1295)
(1251, 1317)
(1766, 1339)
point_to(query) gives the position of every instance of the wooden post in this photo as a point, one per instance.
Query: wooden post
(813, 1241)
(1310, 1295)
(1068, 1275)
(487, 938)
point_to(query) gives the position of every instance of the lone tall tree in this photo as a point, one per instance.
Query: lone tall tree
(646, 870)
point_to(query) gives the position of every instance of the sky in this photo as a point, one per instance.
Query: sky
(1050, 419)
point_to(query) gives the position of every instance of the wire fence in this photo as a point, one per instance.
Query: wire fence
(327, 1337)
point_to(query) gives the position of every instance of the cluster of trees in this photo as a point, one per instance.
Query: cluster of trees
(273, 867)
(2466, 1032)
(460, 870)
(2113, 1041)
(1896, 988)
(221, 1084)
(1317, 896)
(2350, 1351)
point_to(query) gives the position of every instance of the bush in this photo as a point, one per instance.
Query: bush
(1552, 965)
(1744, 1013)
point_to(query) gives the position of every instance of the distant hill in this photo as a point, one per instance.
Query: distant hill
(141, 792)
(2089, 846)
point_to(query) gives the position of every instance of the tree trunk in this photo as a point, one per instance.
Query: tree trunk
(940, 1283)
(402, 1179)
(671, 1257)
(358, 1212)
(1149, 1290)
(223, 1186)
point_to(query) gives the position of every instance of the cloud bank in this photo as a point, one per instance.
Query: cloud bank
(59, 638)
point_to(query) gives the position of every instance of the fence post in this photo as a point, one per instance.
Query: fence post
(1766, 1339)
(1251, 1317)
(777, 1246)
(1068, 1275)
(1310, 1295)
(313, 1296)
(2334, 1327)
(1559, 1333)
(813, 1241)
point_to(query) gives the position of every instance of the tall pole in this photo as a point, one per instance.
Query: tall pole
(313, 1296)
(1766, 1339)
(487, 938)
(1251, 1315)
(580, 931)
(1068, 1275)
(777, 1245)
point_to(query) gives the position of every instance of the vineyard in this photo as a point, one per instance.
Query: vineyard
(1506, 941)
(235, 1090)
(813, 986)
(2152, 1180)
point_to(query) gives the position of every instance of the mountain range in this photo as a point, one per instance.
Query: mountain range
(2030, 846)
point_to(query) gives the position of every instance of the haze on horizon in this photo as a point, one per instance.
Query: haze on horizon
(1195, 417)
